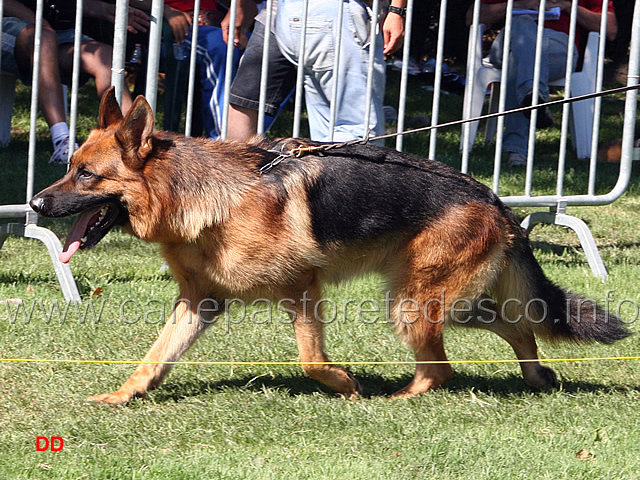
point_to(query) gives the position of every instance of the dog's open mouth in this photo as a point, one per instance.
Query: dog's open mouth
(89, 228)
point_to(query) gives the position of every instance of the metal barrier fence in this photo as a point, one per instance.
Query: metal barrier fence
(559, 202)
(25, 221)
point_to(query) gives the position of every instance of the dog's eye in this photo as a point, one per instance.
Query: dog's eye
(85, 174)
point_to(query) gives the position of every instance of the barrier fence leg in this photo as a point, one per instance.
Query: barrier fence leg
(582, 230)
(51, 241)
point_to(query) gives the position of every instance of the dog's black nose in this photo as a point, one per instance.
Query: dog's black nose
(37, 203)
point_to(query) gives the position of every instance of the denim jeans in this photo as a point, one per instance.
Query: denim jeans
(520, 74)
(319, 73)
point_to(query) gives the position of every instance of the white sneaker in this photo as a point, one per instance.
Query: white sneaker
(516, 159)
(60, 154)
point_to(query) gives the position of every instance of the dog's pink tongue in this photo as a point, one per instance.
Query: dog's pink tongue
(72, 245)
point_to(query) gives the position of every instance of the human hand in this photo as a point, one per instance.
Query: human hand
(138, 21)
(179, 22)
(527, 4)
(209, 18)
(392, 33)
(565, 5)
(535, 4)
(245, 14)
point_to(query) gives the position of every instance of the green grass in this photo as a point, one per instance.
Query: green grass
(272, 422)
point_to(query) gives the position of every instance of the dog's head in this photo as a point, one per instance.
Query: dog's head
(104, 174)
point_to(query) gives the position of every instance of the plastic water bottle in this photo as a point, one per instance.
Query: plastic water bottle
(136, 56)
(180, 51)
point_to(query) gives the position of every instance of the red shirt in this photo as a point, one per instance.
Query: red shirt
(186, 5)
(562, 24)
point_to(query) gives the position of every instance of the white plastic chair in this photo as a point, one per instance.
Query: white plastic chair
(582, 82)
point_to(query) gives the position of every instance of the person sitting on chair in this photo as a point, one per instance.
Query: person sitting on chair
(555, 46)
(56, 57)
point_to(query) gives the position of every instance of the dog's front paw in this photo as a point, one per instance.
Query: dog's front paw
(113, 398)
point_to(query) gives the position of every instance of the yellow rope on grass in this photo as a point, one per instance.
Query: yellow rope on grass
(298, 363)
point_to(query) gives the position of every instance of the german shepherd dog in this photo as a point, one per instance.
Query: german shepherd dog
(229, 230)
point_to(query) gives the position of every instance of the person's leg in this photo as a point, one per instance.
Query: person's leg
(522, 61)
(320, 72)
(318, 57)
(520, 77)
(557, 53)
(552, 62)
(243, 123)
(212, 63)
(19, 37)
(176, 77)
(50, 96)
(245, 90)
(353, 76)
(553, 66)
(520, 83)
(517, 124)
(317, 86)
(516, 133)
(95, 60)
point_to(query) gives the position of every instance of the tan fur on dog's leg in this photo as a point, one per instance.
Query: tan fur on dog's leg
(518, 334)
(310, 340)
(534, 374)
(524, 345)
(182, 329)
(428, 375)
(424, 335)
(441, 270)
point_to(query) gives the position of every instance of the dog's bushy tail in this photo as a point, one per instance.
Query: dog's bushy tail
(527, 295)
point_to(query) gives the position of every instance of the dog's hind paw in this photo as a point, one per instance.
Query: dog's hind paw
(113, 398)
(544, 378)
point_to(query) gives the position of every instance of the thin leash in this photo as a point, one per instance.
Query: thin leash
(303, 150)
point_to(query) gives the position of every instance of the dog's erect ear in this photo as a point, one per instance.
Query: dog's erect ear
(110, 111)
(134, 133)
